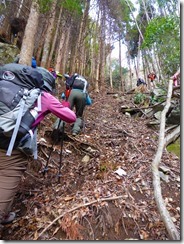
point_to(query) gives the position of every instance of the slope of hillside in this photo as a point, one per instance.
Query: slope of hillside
(105, 190)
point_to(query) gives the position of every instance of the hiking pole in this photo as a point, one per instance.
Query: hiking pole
(61, 154)
(46, 166)
(67, 94)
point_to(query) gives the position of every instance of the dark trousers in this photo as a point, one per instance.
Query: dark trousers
(77, 101)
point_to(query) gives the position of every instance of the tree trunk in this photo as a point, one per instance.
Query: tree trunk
(146, 12)
(82, 34)
(55, 38)
(97, 77)
(46, 48)
(20, 8)
(59, 52)
(138, 58)
(29, 36)
(38, 50)
(110, 58)
(102, 49)
(110, 71)
(120, 69)
(93, 55)
(65, 58)
(130, 73)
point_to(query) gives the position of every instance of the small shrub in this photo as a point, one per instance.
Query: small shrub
(139, 98)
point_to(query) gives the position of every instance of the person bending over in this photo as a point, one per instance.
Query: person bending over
(12, 167)
(77, 95)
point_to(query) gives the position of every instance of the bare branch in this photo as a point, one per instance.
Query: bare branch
(172, 231)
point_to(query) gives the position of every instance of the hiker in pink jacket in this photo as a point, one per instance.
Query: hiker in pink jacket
(52, 105)
(176, 78)
(12, 167)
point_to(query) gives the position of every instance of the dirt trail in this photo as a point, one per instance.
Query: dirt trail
(91, 201)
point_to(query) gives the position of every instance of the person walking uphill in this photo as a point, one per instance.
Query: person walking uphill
(152, 76)
(12, 167)
(77, 95)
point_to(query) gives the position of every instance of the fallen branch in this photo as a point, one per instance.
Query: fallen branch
(165, 216)
(172, 136)
(77, 207)
(140, 110)
(171, 128)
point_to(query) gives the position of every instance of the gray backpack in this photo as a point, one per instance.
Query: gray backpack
(20, 89)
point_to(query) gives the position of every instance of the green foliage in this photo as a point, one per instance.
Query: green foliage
(175, 147)
(164, 34)
(103, 168)
(44, 5)
(163, 88)
(125, 11)
(139, 98)
(2, 8)
(118, 14)
(72, 6)
(156, 99)
(160, 27)
(153, 99)
(92, 36)
(132, 41)
(160, 96)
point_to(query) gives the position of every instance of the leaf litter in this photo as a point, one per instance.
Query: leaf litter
(105, 190)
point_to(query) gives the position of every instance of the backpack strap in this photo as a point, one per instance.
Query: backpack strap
(85, 85)
(35, 152)
(39, 104)
(28, 143)
(15, 131)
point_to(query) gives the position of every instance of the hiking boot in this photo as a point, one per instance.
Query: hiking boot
(74, 134)
(8, 218)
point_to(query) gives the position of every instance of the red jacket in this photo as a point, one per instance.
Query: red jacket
(152, 76)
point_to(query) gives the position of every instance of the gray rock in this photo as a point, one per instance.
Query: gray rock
(8, 53)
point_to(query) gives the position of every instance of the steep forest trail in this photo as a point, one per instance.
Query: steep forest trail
(92, 201)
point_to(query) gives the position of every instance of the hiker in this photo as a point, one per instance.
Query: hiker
(53, 72)
(152, 76)
(77, 95)
(12, 167)
(176, 77)
(141, 82)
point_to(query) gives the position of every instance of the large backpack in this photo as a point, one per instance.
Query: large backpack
(20, 88)
(77, 82)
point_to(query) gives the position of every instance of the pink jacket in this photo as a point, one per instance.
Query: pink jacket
(50, 104)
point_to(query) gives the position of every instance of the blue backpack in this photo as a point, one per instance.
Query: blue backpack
(34, 64)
